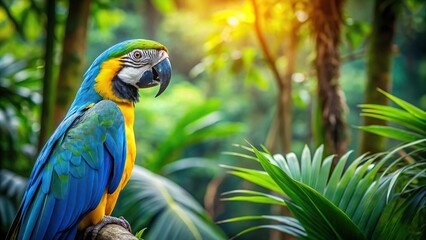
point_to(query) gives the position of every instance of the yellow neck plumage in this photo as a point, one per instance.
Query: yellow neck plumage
(103, 82)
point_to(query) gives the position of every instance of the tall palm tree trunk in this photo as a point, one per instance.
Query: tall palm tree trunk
(49, 83)
(379, 64)
(327, 21)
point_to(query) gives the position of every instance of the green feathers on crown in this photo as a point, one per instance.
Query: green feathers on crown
(127, 46)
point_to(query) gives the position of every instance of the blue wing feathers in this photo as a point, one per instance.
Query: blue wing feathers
(112, 145)
(60, 185)
(85, 156)
(62, 165)
(46, 212)
(51, 142)
(46, 178)
(115, 180)
(30, 222)
(80, 171)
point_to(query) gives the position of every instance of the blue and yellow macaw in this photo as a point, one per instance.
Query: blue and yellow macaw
(89, 158)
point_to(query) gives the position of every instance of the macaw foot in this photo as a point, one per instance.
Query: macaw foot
(93, 231)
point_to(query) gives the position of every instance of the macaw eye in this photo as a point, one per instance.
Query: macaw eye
(137, 54)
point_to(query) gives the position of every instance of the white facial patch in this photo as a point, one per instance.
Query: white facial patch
(132, 75)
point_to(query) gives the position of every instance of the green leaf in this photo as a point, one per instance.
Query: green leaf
(324, 174)
(374, 209)
(392, 132)
(260, 178)
(306, 166)
(281, 228)
(395, 115)
(255, 197)
(410, 117)
(246, 156)
(282, 163)
(190, 163)
(407, 106)
(418, 175)
(293, 165)
(344, 181)
(288, 224)
(335, 176)
(138, 235)
(356, 184)
(316, 167)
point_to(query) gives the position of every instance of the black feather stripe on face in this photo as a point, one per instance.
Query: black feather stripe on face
(124, 90)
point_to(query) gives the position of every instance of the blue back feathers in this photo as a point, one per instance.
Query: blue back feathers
(72, 172)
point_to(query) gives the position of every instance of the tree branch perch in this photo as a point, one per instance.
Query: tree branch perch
(114, 232)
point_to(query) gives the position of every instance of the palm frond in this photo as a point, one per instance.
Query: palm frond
(260, 178)
(319, 217)
(404, 218)
(349, 202)
(410, 120)
(254, 197)
(285, 224)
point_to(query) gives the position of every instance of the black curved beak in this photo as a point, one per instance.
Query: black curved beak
(160, 74)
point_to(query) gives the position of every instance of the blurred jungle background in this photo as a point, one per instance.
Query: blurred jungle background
(283, 74)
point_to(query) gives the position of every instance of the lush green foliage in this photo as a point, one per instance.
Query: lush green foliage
(165, 209)
(179, 122)
(19, 83)
(412, 118)
(376, 197)
(347, 203)
(12, 188)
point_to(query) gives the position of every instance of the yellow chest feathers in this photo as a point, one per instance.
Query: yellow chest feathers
(129, 116)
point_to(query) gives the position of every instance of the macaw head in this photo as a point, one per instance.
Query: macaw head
(119, 72)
